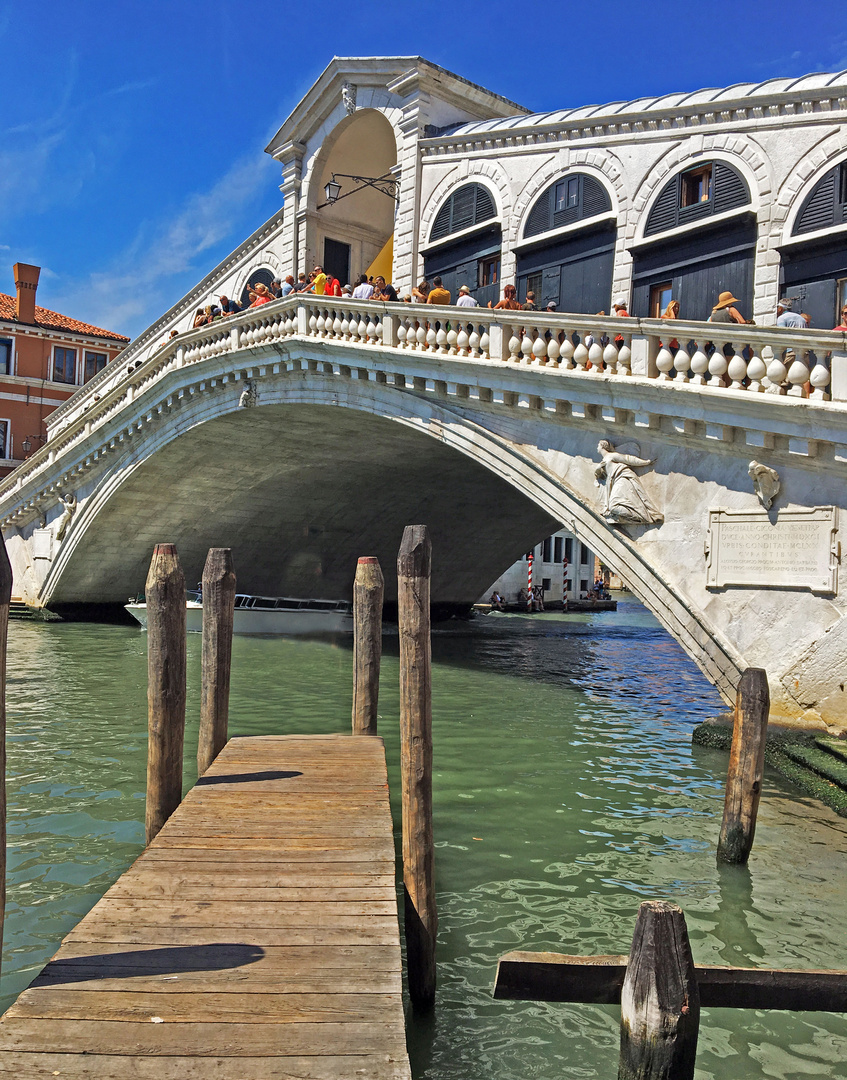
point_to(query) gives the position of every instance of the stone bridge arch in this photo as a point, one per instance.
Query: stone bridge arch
(486, 495)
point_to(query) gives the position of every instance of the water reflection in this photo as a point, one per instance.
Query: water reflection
(566, 791)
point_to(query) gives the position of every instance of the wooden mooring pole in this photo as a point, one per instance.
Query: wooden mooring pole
(218, 617)
(368, 594)
(746, 764)
(5, 599)
(165, 596)
(414, 564)
(660, 1001)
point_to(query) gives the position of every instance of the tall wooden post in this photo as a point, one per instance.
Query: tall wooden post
(218, 616)
(368, 594)
(746, 765)
(660, 1001)
(414, 564)
(165, 595)
(5, 598)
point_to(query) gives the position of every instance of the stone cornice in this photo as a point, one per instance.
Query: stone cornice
(828, 104)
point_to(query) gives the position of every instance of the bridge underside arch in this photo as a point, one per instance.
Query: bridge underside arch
(299, 492)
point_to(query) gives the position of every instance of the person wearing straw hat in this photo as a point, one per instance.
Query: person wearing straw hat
(465, 299)
(724, 312)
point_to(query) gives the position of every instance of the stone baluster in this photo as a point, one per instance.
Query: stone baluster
(462, 343)
(554, 349)
(595, 358)
(485, 340)
(362, 329)
(610, 358)
(441, 339)
(737, 371)
(431, 338)
(819, 379)
(402, 331)
(514, 343)
(757, 372)
(682, 364)
(625, 357)
(777, 371)
(664, 362)
(717, 367)
(474, 341)
(798, 374)
(526, 345)
(566, 351)
(539, 349)
(420, 336)
(313, 323)
(580, 353)
(699, 365)
(370, 329)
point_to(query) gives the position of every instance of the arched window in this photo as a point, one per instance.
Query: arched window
(469, 206)
(826, 204)
(258, 277)
(574, 197)
(708, 188)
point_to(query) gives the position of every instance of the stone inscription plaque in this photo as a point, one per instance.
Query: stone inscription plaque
(794, 549)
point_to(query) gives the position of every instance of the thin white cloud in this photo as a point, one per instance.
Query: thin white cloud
(139, 282)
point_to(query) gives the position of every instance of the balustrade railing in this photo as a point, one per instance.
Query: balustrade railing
(709, 356)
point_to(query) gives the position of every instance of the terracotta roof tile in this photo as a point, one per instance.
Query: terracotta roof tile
(52, 320)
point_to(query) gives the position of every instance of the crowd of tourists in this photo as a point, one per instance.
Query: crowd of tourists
(323, 283)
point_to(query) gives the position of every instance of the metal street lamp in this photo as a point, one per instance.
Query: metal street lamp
(26, 442)
(387, 184)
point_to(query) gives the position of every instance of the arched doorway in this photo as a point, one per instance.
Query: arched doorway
(353, 235)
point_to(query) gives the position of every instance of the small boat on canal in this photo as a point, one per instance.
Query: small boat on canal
(267, 614)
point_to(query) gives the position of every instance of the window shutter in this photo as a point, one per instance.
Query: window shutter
(595, 198)
(729, 189)
(484, 204)
(470, 205)
(664, 213)
(818, 211)
(441, 226)
(538, 220)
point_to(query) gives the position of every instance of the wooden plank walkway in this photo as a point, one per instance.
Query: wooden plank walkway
(256, 936)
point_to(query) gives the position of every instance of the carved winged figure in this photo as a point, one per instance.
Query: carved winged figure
(625, 501)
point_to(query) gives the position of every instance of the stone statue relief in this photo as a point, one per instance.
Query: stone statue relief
(69, 503)
(348, 97)
(248, 396)
(765, 483)
(625, 501)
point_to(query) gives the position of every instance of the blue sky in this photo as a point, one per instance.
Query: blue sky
(131, 153)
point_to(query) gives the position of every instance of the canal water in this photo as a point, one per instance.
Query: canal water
(566, 792)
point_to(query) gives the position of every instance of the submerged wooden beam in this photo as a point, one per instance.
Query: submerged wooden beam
(597, 980)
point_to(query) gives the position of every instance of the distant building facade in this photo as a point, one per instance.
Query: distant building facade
(558, 559)
(44, 357)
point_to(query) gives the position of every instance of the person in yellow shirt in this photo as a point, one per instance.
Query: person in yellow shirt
(318, 285)
(438, 294)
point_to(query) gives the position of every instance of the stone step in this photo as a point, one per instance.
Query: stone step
(836, 747)
(819, 770)
(820, 761)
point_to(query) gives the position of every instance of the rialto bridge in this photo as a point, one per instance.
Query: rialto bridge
(304, 434)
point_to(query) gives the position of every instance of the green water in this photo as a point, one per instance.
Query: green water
(566, 791)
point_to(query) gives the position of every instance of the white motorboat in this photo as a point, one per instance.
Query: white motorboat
(267, 615)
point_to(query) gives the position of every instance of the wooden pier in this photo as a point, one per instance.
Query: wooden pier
(255, 937)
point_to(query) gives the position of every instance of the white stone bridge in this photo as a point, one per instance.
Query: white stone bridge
(304, 434)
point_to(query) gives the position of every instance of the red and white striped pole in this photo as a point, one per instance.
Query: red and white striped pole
(565, 583)
(529, 583)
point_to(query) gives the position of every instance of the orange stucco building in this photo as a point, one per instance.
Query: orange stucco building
(44, 357)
